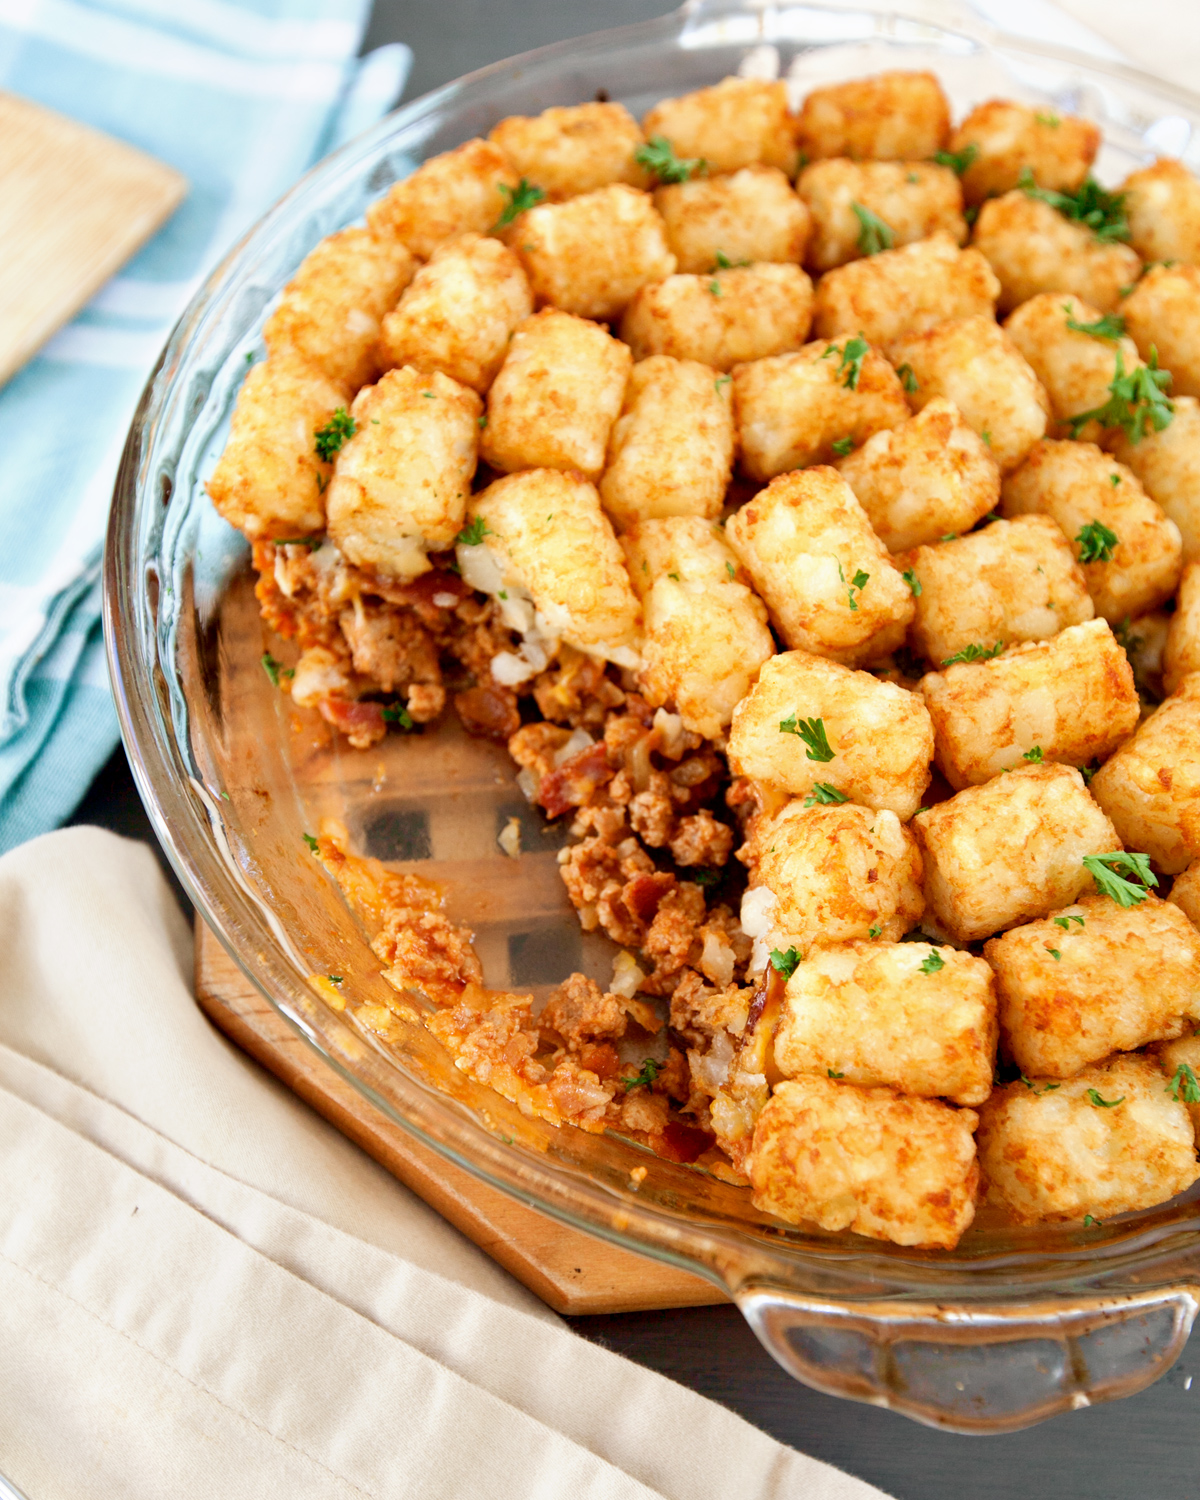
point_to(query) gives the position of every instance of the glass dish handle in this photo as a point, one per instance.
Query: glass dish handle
(979, 1367)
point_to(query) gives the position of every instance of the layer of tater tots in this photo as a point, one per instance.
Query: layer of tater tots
(1071, 698)
(1162, 316)
(791, 408)
(928, 476)
(705, 629)
(1172, 1057)
(736, 123)
(866, 1160)
(1168, 465)
(400, 484)
(1033, 248)
(573, 148)
(460, 312)
(556, 397)
(330, 311)
(880, 735)
(904, 291)
(1185, 893)
(670, 452)
(744, 216)
(1073, 484)
(836, 873)
(1009, 851)
(1150, 787)
(1075, 369)
(894, 116)
(914, 199)
(1181, 654)
(1095, 978)
(825, 576)
(971, 362)
(1162, 206)
(1011, 581)
(1049, 1152)
(546, 533)
(592, 254)
(722, 319)
(908, 1015)
(269, 481)
(1010, 138)
(458, 192)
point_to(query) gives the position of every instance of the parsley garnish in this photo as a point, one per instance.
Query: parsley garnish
(914, 583)
(473, 533)
(334, 433)
(785, 963)
(311, 842)
(812, 732)
(658, 156)
(720, 381)
(843, 446)
(1034, 755)
(1051, 120)
(874, 930)
(974, 652)
(1114, 480)
(933, 963)
(1138, 401)
(275, 669)
(1110, 327)
(723, 263)
(857, 583)
(1090, 1223)
(873, 235)
(1101, 211)
(1184, 1081)
(958, 161)
(523, 196)
(1094, 1098)
(907, 379)
(825, 795)
(852, 353)
(1049, 1089)
(396, 713)
(650, 1071)
(336, 978)
(1096, 542)
(1105, 871)
(674, 576)
(832, 1074)
(1065, 922)
(731, 570)
(481, 422)
(715, 288)
(1054, 954)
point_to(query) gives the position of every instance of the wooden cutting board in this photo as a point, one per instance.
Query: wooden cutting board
(571, 1271)
(75, 204)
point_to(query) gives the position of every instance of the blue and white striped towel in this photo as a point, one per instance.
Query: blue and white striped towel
(241, 96)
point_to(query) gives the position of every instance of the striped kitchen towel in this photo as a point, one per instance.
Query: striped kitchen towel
(241, 96)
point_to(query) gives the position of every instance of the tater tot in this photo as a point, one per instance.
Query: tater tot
(556, 397)
(824, 875)
(824, 575)
(269, 481)
(1185, 893)
(1150, 787)
(1009, 138)
(1075, 368)
(1033, 248)
(723, 319)
(971, 362)
(670, 451)
(591, 255)
(914, 199)
(1168, 465)
(1182, 652)
(331, 309)
(748, 215)
(896, 116)
(791, 409)
(1049, 1151)
(923, 478)
(705, 629)
(1001, 854)
(1162, 315)
(458, 192)
(908, 1015)
(1073, 483)
(1013, 581)
(905, 291)
(548, 553)
(736, 123)
(1095, 978)
(400, 484)
(459, 313)
(1173, 1057)
(1162, 204)
(866, 1160)
(879, 736)
(573, 149)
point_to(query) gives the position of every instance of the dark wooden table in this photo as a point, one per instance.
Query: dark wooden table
(1146, 1446)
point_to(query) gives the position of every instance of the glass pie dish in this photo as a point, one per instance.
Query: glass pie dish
(1014, 1325)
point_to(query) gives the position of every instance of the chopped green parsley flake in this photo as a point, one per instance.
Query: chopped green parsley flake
(658, 156)
(311, 842)
(336, 978)
(675, 576)
(1033, 1088)
(914, 583)
(1137, 401)
(721, 380)
(1051, 120)
(812, 732)
(907, 379)
(275, 669)
(1091, 1222)
(1091, 205)
(1054, 954)
(731, 570)
(723, 263)
(1110, 328)
(958, 161)
(1105, 870)
(851, 353)
(1184, 1086)
(785, 963)
(832, 1074)
(1065, 922)
(1094, 1097)
(516, 201)
(395, 713)
(1096, 542)
(715, 288)
(334, 434)
(824, 795)
(933, 963)
(843, 446)
(874, 930)
(1034, 755)
(473, 533)
(974, 652)
(873, 234)
(650, 1071)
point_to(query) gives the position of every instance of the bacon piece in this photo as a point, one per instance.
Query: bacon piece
(363, 724)
(574, 782)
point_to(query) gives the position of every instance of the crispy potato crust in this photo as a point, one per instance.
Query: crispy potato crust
(915, 199)
(1033, 248)
(1008, 137)
(744, 216)
(458, 192)
(573, 149)
(1162, 204)
(736, 123)
(1162, 314)
(1075, 369)
(898, 116)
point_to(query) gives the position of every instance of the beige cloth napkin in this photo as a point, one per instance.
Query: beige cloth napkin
(206, 1292)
